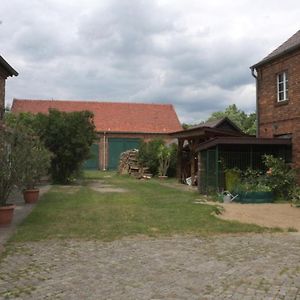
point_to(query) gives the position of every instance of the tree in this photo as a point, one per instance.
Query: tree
(244, 121)
(68, 136)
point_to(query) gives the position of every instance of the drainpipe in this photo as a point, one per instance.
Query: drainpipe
(104, 151)
(257, 104)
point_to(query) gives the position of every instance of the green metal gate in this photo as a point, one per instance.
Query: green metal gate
(93, 162)
(118, 145)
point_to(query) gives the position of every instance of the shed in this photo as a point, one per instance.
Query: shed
(220, 153)
(190, 139)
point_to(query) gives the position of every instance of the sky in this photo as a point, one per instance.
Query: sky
(193, 54)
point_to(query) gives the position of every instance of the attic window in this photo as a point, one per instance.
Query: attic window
(282, 86)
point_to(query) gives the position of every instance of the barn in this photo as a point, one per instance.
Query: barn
(120, 126)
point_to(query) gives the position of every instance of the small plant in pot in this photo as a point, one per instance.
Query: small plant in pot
(35, 165)
(164, 157)
(11, 155)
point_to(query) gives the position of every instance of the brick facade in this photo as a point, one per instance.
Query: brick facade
(280, 118)
(2, 96)
(103, 143)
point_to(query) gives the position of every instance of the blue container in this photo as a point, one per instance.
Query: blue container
(255, 197)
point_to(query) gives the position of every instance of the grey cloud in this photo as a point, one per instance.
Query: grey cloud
(134, 50)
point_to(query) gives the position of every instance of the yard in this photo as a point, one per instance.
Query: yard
(114, 237)
(108, 207)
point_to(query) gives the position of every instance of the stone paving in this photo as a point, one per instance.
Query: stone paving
(223, 267)
(22, 210)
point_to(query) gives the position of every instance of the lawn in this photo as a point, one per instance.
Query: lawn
(145, 208)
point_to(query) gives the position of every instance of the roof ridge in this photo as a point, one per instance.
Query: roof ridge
(292, 43)
(92, 101)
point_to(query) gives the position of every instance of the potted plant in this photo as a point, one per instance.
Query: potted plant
(164, 157)
(11, 149)
(35, 165)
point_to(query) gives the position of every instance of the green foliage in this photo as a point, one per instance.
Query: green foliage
(164, 158)
(11, 160)
(148, 154)
(173, 161)
(36, 162)
(68, 136)
(159, 158)
(232, 178)
(247, 122)
(279, 177)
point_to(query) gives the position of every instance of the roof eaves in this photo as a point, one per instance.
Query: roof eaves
(11, 71)
(274, 57)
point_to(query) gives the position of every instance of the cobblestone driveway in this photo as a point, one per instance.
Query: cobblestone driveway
(233, 267)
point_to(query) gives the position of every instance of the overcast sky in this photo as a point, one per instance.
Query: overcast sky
(191, 53)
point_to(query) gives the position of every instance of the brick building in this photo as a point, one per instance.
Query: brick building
(5, 71)
(120, 126)
(278, 94)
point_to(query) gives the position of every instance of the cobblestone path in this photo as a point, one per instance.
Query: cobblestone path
(223, 267)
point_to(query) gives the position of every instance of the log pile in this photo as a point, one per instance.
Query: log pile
(129, 165)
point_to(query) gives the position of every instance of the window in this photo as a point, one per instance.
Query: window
(282, 86)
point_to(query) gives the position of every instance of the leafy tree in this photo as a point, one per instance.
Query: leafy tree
(68, 136)
(148, 154)
(244, 121)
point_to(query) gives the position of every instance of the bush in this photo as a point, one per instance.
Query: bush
(279, 177)
(10, 157)
(148, 154)
(151, 152)
(68, 136)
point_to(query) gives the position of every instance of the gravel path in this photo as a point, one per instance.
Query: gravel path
(223, 267)
(269, 215)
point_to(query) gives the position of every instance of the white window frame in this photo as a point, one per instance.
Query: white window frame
(284, 83)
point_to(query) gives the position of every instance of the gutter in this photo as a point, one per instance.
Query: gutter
(257, 104)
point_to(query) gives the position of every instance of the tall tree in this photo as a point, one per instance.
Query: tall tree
(247, 122)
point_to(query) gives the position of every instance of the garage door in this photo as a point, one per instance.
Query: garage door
(116, 146)
(93, 162)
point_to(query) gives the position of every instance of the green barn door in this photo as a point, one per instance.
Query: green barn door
(93, 162)
(116, 146)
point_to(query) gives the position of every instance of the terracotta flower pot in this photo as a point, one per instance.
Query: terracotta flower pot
(31, 196)
(6, 214)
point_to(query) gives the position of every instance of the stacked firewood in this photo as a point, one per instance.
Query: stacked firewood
(129, 164)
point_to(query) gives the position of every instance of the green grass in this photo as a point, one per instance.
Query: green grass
(148, 208)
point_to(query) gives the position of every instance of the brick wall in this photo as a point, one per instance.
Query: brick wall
(280, 118)
(2, 96)
(104, 145)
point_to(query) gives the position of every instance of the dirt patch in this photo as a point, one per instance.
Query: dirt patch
(268, 215)
(69, 189)
(102, 187)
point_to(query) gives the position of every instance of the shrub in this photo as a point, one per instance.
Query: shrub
(279, 177)
(68, 136)
(164, 158)
(148, 154)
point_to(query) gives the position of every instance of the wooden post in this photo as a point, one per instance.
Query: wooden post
(179, 160)
(199, 173)
(192, 162)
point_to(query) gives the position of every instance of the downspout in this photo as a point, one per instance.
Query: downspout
(257, 104)
(104, 151)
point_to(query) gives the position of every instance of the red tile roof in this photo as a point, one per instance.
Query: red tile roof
(112, 116)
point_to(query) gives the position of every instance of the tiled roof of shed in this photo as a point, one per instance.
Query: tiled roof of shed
(291, 44)
(112, 116)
